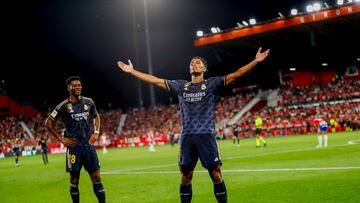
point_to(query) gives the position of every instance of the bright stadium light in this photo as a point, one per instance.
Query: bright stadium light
(245, 23)
(340, 2)
(294, 12)
(252, 21)
(280, 15)
(358, 59)
(213, 30)
(239, 25)
(218, 29)
(199, 33)
(326, 5)
(292, 69)
(357, 1)
(324, 64)
(350, 1)
(317, 6)
(309, 8)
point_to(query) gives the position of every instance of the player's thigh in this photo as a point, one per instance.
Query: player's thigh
(90, 159)
(208, 150)
(73, 159)
(188, 154)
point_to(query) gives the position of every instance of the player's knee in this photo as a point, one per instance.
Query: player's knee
(215, 174)
(186, 177)
(95, 177)
(74, 178)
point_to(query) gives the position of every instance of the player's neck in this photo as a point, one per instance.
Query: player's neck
(74, 99)
(197, 78)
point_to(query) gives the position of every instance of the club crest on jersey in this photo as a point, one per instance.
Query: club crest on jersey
(186, 85)
(203, 87)
(86, 107)
(70, 107)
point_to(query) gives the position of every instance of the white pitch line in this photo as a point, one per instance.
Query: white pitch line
(234, 170)
(228, 158)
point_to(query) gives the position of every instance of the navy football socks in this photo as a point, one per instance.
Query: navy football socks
(220, 192)
(99, 191)
(185, 193)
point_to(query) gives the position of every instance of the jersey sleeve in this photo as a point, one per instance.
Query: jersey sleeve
(174, 86)
(93, 110)
(57, 112)
(218, 82)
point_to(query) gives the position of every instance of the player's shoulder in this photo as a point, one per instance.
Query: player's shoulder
(61, 104)
(88, 99)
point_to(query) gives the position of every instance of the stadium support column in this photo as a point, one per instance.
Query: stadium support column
(148, 52)
(312, 38)
(137, 61)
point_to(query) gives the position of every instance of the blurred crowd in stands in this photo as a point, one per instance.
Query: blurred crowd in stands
(338, 102)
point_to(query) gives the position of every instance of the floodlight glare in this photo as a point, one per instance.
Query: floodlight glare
(317, 6)
(252, 21)
(340, 2)
(309, 8)
(245, 23)
(280, 14)
(324, 64)
(218, 29)
(294, 12)
(292, 69)
(213, 30)
(199, 33)
(357, 0)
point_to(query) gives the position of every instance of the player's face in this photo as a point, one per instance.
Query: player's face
(197, 67)
(75, 88)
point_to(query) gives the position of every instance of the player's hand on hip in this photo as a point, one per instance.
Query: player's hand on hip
(126, 67)
(69, 141)
(93, 138)
(261, 56)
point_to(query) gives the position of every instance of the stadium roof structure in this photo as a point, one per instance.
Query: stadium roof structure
(331, 35)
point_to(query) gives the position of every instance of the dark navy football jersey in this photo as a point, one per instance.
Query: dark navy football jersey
(197, 104)
(77, 117)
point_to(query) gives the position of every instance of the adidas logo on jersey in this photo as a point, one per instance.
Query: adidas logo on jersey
(216, 159)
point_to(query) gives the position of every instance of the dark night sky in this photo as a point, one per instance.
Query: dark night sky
(44, 42)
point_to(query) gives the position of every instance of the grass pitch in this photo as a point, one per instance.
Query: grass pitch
(290, 169)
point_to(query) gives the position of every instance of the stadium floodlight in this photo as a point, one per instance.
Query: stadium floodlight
(340, 2)
(252, 21)
(218, 29)
(292, 69)
(199, 33)
(326, 5)
(245, 23)
(357, 1)
(213, 30)
(324, 64)
(239, 25)
(294, 12)
(358, 59)
(350, 1)
(309, 8)
(316, 6)
(281, 15)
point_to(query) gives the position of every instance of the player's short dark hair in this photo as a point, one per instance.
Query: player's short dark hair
(72, 78)
(201, 59)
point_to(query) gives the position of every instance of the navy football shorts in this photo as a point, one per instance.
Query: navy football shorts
(201, 146)
(82, 154)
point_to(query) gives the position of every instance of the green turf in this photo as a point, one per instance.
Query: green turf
(34, 182)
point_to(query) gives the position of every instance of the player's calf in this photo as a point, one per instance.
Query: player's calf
(219, 184)
(185, 186)
(98, 186)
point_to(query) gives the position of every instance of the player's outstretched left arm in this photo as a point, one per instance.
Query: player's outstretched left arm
(129, 68)
(95, 135)
(230, 78)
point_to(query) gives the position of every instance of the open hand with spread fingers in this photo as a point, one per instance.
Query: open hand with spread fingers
(261, 56)
(126, 67)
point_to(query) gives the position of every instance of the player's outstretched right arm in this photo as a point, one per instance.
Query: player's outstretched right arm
(49, 124)
(129, 68)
